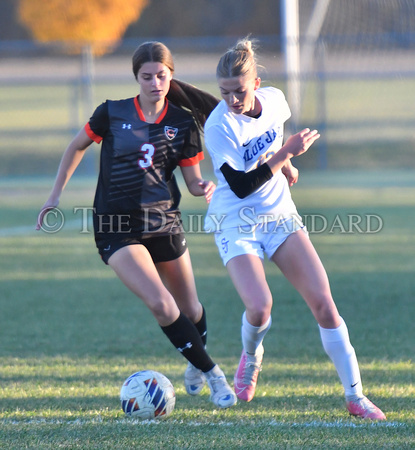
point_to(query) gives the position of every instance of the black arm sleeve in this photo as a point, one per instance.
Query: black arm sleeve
(245, 183)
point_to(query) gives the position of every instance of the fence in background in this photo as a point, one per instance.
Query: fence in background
(358, 91)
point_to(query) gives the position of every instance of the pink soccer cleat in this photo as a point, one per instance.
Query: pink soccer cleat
(246, 375)
(365, 409)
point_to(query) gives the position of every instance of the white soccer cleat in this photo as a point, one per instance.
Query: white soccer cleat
(194, 380)
(221, 393)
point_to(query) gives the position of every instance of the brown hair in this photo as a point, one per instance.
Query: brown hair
(183, 95)
(238, 61)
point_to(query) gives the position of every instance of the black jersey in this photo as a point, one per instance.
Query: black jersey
(137, 194)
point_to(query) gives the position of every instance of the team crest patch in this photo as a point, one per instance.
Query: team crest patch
(170, 132)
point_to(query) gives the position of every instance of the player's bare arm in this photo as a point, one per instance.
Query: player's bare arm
(69, 162)
(196, 185)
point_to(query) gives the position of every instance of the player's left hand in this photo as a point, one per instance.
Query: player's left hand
(208, 189)
(291, 173)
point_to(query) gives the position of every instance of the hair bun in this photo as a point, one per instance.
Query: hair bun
(245, 45)
(238, 61)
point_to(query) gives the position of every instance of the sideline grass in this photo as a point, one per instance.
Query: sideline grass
(70, 332)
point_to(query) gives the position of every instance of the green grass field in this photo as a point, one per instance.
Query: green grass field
(70, 332)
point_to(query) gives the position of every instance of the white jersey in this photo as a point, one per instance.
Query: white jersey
(245, 143)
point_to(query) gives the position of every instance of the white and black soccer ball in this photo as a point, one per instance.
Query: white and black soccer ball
(147, 395)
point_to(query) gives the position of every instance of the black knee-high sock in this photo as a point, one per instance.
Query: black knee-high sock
(202, 327)
(184, 335)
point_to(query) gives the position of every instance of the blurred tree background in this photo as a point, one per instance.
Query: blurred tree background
(177, 18)
(194, 18)
(357, 62)
(97, 23)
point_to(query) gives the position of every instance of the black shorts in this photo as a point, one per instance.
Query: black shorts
(161, 248)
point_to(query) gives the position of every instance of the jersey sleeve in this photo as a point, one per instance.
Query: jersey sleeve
(98, 124)
(222, 148)
(192, 152)
(283, 110)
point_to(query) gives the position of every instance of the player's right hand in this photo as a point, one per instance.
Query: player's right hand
(48, 206)
(299, 143)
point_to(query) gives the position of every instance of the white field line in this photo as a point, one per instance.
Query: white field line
(127, 421)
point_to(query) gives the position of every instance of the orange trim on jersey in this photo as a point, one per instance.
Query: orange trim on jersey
(92, 135)
(191, 161)
(137, 107)
(141, 114)
(163, 113)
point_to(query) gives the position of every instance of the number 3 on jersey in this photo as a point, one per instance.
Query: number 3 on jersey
(148, 152)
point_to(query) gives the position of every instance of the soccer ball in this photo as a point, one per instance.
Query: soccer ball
(147, 395)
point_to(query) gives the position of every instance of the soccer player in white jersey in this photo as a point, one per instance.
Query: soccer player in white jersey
(252, 213)
(137, 225)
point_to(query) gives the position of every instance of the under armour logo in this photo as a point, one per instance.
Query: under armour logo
(188, 345)
(126, 126)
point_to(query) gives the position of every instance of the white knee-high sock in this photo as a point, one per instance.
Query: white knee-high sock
(252, 337)
(337, 345)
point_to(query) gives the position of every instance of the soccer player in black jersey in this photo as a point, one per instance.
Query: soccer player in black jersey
(137, 225)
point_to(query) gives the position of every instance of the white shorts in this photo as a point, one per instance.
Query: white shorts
(256, 239)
